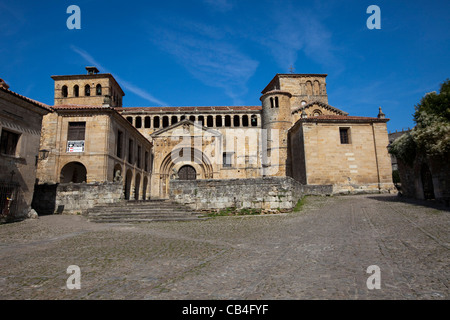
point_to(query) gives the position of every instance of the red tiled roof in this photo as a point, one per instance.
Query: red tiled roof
(78, 107)
(191, 109)
(36, 103)
(344, 118)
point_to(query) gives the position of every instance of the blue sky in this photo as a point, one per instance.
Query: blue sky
(224, 52)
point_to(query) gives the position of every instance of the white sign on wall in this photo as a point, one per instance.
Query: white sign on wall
(75, 146)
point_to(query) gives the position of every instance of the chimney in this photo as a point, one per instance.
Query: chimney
(3, 84)
(381, 115)
(92, 70)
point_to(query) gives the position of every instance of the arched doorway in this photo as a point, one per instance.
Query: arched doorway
(137, 185)
(427, 182)
(178, 158)
(128, 179)
(144, 189)
(74, 172)
(187, 173)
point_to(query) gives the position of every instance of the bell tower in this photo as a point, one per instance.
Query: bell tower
(93, 89)
(276, 121)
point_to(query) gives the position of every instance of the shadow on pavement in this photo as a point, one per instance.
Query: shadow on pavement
(402, 199)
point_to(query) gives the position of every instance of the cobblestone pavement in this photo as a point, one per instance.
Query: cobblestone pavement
(321, 252)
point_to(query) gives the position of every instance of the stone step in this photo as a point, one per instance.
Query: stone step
(138, 215)
(142, 211)
(143, 220)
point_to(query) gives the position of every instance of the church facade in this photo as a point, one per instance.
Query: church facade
(293, 132)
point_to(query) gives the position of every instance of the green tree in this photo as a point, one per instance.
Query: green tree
(431, 135)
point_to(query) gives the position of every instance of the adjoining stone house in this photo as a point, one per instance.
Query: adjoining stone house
(93, 155)
(294, 134)
(20, 130)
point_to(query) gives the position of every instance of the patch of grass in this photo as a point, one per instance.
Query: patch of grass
(298, 207)
(234, 212)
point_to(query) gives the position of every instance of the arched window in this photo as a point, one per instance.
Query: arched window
(174, 119)
(201, 119)
(254, 120)
(316, 88)
(210, 121)
(245, 121)
(227, 121)
(147, 122)
(64, 91)
(192, 118)
(276, 102)
(76, 90)
(271, 102)
(138, 122)
(308, 88)
(130, 119)
(156, 122)
(218, 121)
(98, 90)
(317, 113)
(165, 121)
(236, 121)
(182, 118)
(87, 90)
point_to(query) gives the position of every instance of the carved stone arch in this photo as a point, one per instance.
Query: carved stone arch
(178, 158)
(308, 88)
(73, 171)
(316, 88)
(316, 113)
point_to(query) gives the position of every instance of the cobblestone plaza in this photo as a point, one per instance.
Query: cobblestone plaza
(321, 252)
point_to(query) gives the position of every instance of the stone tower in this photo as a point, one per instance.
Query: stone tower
(93, 88)
(276, 121)
(304, 88)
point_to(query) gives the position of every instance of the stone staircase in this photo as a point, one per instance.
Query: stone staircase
(142, 211)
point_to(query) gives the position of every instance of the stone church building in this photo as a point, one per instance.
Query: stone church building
(91, 138)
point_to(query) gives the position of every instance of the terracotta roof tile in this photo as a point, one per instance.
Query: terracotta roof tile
(37, 103)
(190, 108)
(343, 118)
(77, 107)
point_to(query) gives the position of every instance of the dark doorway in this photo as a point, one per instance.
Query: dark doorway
(427, 182)
(128, 178)
(74, 172)
(187, 173)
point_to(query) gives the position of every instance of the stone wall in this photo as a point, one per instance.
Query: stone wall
(360, 166)
(20, 117)
(412, 178)
(73, 198)
(271, 193)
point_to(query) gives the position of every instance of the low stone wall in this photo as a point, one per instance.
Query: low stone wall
(73, 198)
(411, 177)
(271, 193)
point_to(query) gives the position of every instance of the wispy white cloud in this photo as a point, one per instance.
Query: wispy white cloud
(125, 84)
(296, 31)
(208, 56)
